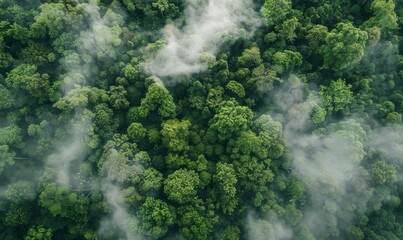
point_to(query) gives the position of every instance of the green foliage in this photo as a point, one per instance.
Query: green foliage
(230, 233)
(6, 157)
(226, 181)
(195, 222)
(20, 191)
(17, 215)
(136, 132)
(175, 134)
(236, 88)
(384, 16)
(318, 115)
(157, 98)
(105, 123)
(156, 217)
(39, 233)
(6, 99)
(250, 58)
(344, 47)
(394, 117)
(181, 186)
(10, 135)
(25, 77)
(230, 119)
(50, 20)
(256, 146)
(383, 173)
(287, 60)
(121, 162)
(316, 36)
(59, 201)
(275, 12)
(117, 97)
(337, 96)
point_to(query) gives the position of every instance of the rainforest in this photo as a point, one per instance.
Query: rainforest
(201, 119)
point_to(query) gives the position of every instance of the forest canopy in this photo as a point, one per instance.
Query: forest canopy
(201, 119)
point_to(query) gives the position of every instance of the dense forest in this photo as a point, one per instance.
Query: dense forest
(201, 119)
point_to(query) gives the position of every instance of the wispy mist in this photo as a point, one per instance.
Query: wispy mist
(329, 161)
(120, 222)
(326, 160)
(100, 42)
(262, 229)
(207, 25)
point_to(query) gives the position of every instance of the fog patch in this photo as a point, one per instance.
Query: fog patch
(263, 229)
(207, 25)
(326, 160)
(120, 222)
(100, 41)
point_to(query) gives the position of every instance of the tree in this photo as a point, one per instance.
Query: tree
(155, 217)
(157, 98)
(287, 60)
(344, 47)
(287, 29)
(275, 11)
(316, 37)
(270, 132)
(181, 186)
(151, 182)
(394, 117)
(175, 134)
(337, 96)
(195, 222)
(236, 88)
(248, 143)
(117, 97)
(37, 54)
(136, 132)
(230, 233)
(49, 20)
(383, 173)
(6, 99)
(384, 16)
(60, 201)
(17, 215)
(10, 135)
(318, 115)
(253, 175)
(20, 191)
(122, 162)
(231, 119)
(39, 233)
(25, 77)
(65, 43)
(105, 123)
(226, 180)
(6, 157)
(250, 58)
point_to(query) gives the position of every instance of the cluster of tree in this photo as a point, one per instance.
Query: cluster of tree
(193, 158)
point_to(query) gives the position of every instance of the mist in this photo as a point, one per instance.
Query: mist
(204, 29)
(326, 160)
(119, 222)
(99, 42)
(264, 229)
(261, 140)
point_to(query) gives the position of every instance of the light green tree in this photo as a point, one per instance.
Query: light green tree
(344, 48)
(181, 186)
(155, 217)
(175, 134)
